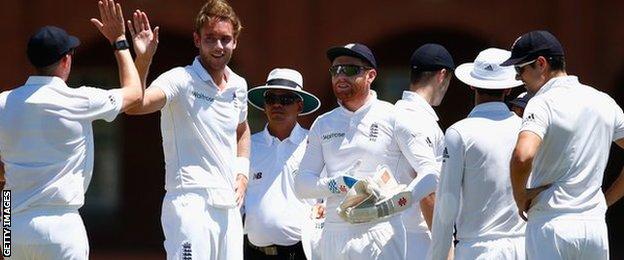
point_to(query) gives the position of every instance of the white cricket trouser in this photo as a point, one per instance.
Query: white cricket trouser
(311, 238)
(381, 240)
(418, 243)
(48, 234)
(195, 230)
(508, 248)
(568, 239)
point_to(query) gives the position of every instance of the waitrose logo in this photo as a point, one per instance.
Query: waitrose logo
(332, 135)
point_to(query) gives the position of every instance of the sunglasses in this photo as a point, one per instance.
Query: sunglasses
(520, 67)
(284, 99)
(347, 70)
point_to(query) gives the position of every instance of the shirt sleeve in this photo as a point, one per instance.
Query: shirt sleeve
(308, 183)
(447, 196)
(536, 117)
(618, 131)
(242, 96)
(102, 104)
(416, 144)
(168, 82)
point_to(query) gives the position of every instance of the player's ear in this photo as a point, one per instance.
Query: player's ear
(197, 39)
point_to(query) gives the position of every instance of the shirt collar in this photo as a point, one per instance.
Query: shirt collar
(369, 102)
(557, 82)
(296, 135)
(45, 80)
(415, 98)
(203, 73)
(488, 108)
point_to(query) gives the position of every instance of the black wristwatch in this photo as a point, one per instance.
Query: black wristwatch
(121, 45)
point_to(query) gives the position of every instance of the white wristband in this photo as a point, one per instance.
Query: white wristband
(241, 166)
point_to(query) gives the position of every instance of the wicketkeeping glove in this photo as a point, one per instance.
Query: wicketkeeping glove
(374, 198)
(341, 183)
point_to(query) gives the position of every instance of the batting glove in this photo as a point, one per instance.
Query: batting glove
(342, 183)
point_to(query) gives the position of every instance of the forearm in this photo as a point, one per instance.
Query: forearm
(243, 134)
(616, 191)
(426, 207)
(309, 185)
(520, 171)
(129, 78)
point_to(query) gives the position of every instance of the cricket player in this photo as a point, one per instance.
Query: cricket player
(274, 216)
(46, 139)
(420, 138)
(205, 137)
(566, 134)
(474, 193)
(360, 129)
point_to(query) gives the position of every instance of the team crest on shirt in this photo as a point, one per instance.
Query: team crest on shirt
(257, 175)
(374, 132)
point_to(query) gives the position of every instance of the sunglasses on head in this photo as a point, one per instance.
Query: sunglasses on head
(284, 99)
(348, 70)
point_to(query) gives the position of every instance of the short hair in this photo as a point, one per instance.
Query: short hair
(217, 10)
(48, 70)
(417, 76)
(490, 92)
(557, 63)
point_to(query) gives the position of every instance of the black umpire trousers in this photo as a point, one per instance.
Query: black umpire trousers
(275, 252)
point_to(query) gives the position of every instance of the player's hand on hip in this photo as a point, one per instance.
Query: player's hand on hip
(144, 39)
(111, 24)
(241, 188)
(524, 204)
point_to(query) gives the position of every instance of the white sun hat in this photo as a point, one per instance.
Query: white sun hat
(486, 73)
(286, 79)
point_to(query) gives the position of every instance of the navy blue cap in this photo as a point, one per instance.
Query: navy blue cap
(532, 45)
(431, 57)
(48, 45)
(356, 50)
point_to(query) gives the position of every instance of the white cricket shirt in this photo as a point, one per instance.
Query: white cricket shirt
(337, 140)
(474, 192)
(577, 124)
(420, 138)
(273, 213)
(198, 124)
(46, 140)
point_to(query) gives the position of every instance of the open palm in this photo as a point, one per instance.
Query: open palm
(144, 39)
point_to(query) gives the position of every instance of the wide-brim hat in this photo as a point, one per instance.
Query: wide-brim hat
(286, 79)
(486, 73)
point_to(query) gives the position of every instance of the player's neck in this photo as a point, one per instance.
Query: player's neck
(480, 99)
(425, 91)
(281, 130)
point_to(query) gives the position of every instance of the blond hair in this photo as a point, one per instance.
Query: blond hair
(217, 10)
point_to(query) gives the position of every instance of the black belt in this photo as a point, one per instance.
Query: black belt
(274, 249)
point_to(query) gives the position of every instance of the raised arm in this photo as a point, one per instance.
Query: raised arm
(145, 42)
(112, 27)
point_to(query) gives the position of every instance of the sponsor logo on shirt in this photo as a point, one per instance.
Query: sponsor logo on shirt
(332, 135)
(187, 252)
(202, 96)
(445, 154)
(529, 118)
(257, 176)
(374, 132)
